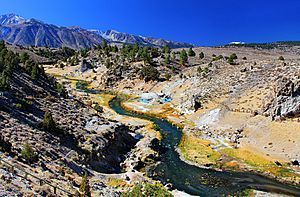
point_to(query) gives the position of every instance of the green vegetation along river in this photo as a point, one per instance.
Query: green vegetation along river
(200, 181)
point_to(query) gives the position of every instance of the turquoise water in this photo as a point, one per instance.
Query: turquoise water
(199, 181)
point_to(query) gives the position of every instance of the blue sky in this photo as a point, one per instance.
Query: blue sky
(201, 22)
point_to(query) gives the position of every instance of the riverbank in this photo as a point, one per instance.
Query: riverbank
(210, 153)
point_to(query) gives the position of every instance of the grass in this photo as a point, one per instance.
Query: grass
(248, 157)
(260, 163)
(103, 99)
(118, 183)
(198, 150)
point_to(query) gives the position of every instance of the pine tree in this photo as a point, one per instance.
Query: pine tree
(35, 72)
(183, 57)
(4, 81)
(28, 153)
(166, 49)
(104, 44)
(2, 44)
(167, 59)
(136, 47)
(201, 55)
(48, 122)
(24, 57)
(191, 52)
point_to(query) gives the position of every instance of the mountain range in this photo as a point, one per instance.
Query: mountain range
(17, 30)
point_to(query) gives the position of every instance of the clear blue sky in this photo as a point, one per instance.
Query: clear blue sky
(201, 22)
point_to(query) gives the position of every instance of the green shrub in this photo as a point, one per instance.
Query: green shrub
(19, 106)
(60, 89)
(217, 58)
(281, 58)
(82, 85)
(49, 123)
(28, 154)
(199, 69)
(98, 108)
(168, 76)
(231, 59)
(233, 56)
(148, 190)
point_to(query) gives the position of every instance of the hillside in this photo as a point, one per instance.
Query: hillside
(240, 103)
(54, 136)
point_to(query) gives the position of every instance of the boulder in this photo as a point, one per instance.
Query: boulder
(85, 66)
(286, 103)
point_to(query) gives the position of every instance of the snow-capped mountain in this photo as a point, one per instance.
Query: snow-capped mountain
(17, 30)
(115, 36)
(9, 19)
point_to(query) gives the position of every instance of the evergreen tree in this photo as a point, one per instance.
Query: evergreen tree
(115, 49)
(201, 55)
(35, 72)
(48, 122)
(136, 47)
(83, 53)
(149, 73)
(28, 154)
(146, 55)
(167, 59)
(231, 59)
(28, 66)
(4, 81)
(183, 57)
(166, 49)
(173, 56)
(5, 145)
(104, 44)
(24, 57)
(2, 44)
(191, 52)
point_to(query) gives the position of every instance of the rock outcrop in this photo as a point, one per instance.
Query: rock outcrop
(286, 103)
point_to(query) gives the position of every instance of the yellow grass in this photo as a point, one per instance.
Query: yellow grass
(117, 183)
(260, 163)
(102, 99)
(248, 157)
(198, 150)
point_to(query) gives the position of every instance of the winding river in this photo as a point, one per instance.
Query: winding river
(199, 181)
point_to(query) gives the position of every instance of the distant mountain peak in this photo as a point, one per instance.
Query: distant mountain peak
(10, 19)
(17, 30)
